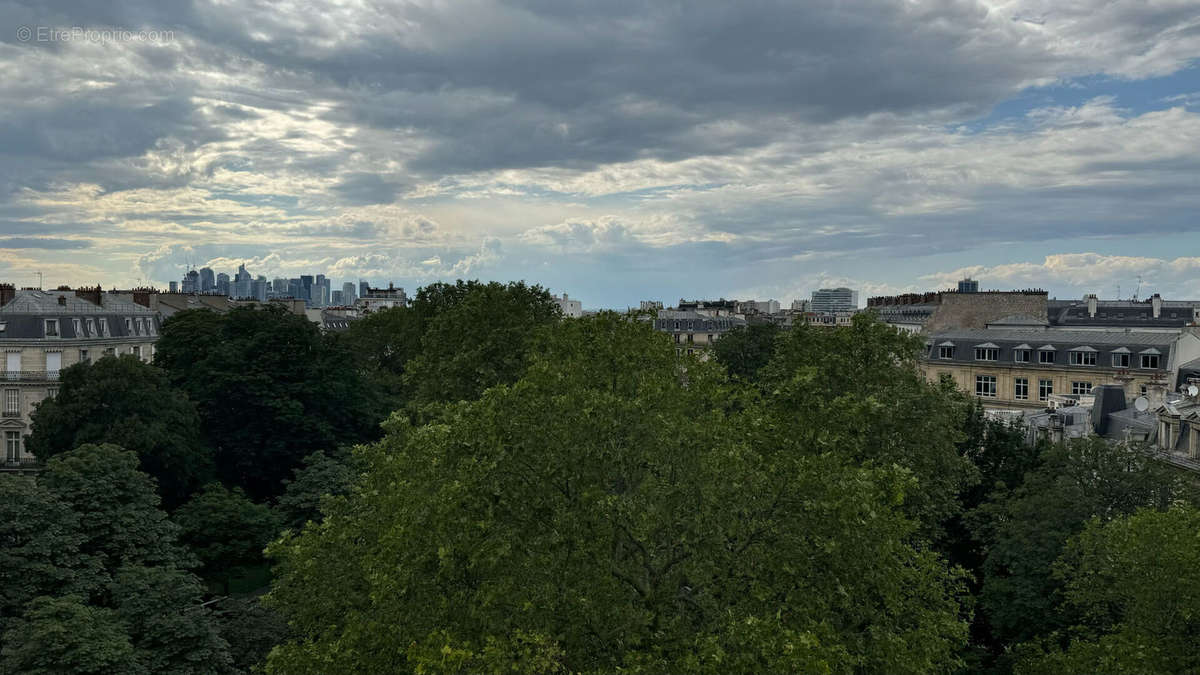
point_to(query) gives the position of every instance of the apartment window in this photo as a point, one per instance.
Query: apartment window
(1045, 389)
(84, 357)
(1045, 356)
(986, 354)
(12, 446)
(1143, 390)
(12, 401)
(985, 385)
(128, 326)
(91, 328)
(945, 352)
(104, 327)
(1120, 360)
(1083, 358)
(690, 352)
(149, 326)
(78, 326)
(678, 338)
(1149, 360)
(1081, 387)
(51, 327)
(1021, 355)
(136, 350)
(1021, 389)
(52, 392)
(691, 338)
(110, 351)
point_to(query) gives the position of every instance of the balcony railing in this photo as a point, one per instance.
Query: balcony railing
(19, 464)
(30, 375)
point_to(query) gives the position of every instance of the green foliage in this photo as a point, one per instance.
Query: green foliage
(226, 531)
(251, 630)
(1135, 582)
(270, 390)
(602, 513)
(39, 548)
(383, 343)
(129, 403)
(321, 475)
(857, 392)
(65, 635)
(746, 349)
(1027, 529)
(170, 630)
(117, 507)
(476, 336)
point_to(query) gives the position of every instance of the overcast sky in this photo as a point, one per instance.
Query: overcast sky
(615, 150)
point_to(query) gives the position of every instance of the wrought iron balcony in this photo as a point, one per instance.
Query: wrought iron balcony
(30, 375)
(19, 464)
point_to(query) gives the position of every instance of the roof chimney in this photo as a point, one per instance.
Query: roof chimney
(1091, 302)
(92, 295)
(7, 293)
(1156, 305)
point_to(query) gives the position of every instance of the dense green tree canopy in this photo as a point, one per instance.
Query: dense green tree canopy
(857, 392)
(39, 548)
(382, 343)
(66, 635)
(126, 402)
(746, 349)
(270, 390)
(226, 531)
(604, 512)
(476, 336)
(117, 507)
(320, 476)
(1026, 530)
(1135, 582)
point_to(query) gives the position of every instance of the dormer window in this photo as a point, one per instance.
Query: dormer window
(1083, 356)
(1120, 358)
(1045, 356)
(1021, 354)
(104, 327)
(91, 328)
(986, 353)
(1150, 360)
(946, 350)
(51, 327)
(128, 326)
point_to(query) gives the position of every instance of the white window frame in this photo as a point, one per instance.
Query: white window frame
(1018, 353)
(987, 354)
(12, 401)
(78, 326)
(1121, 360)
(945, 352)
(986, 386)
(1081, 358)
(52, 324)
(1081, 388)
(1045, 389)
(91, 328)
(1146, 358)
(84, 356)
(1042, 356)
(104, 327)
(1021, 388)
(128, 326)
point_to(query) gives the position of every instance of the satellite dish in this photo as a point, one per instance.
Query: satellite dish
(1142, 404)
(1193, 390)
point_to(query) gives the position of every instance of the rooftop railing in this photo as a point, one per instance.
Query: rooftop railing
(29, 375)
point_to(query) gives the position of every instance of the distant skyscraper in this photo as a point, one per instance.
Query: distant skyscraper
(191, 282)
(208, 281)
(306, 285)
(968, 285)
(337, 299)
(347, 293)
(363, 288)
(242, 284)
(320, 296)
(223, 286)
(174, 286)
(830, 300)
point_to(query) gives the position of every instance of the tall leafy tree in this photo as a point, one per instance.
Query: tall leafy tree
(746, 349)
(226, 531)
(117, 507)
(857, 391)
(1135, 583)
(66, 635)
(603, 514)
(39, 555)
(171, 631)
(1027, 529)
(382, 344)
(126, 402)
(477, 336)
(320, 476)
(270, 390)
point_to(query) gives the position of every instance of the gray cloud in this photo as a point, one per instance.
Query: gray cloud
(49, 243)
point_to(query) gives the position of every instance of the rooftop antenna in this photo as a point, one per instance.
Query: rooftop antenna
(1139, 288)
(40, 282)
